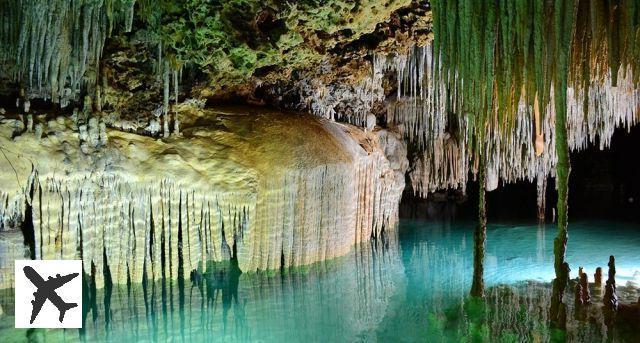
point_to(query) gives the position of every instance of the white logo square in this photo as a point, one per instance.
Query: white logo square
(48, 293)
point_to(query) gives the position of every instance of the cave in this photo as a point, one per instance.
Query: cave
(312, 171)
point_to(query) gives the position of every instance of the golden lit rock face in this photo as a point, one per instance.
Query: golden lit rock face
(269, 189)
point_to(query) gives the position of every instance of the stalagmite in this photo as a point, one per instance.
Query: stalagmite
(586, 295)
(579, 307)
(597, 277)
(578, 294)
(291, 191)
(610, 298)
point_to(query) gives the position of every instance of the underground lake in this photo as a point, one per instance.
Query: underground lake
(409, 287)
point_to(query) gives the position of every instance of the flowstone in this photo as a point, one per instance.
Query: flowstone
(271, 190)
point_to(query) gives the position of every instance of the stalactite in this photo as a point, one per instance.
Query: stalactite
(541, 188)
(516, 42)
(512, 155)
(563, 25)
(343, 102)
(53, 47)
(165, 100)
(169, 75)
(129, 6)
(534, 73)
(480, 236)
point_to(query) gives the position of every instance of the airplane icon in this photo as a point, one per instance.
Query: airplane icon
(46, 290)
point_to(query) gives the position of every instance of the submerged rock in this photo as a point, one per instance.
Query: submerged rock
(271, 190)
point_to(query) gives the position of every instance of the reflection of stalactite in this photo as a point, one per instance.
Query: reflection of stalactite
(222, 303)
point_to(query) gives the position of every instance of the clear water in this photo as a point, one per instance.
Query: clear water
(403, 290)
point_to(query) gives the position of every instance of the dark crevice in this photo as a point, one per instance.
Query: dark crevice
(108, 289)
(282, 266)
(28, 231)
(180, 276)
(40, 213)
(180, 252)
(151, 230)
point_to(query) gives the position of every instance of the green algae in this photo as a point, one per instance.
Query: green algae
(224, 43)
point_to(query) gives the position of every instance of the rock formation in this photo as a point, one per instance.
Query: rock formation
(501, 97)
(610, 298)
(268, 189)
(597, 277)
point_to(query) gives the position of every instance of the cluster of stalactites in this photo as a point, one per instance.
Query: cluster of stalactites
(522, 150)
(486, 87)
(162, 229)
(156, 229)
(345, 102)
(53, 47)
(168, 75)
(418, 113)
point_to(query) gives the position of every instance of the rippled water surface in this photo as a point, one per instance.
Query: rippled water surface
(412, 287)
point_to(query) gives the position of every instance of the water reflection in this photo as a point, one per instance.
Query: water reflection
(407, 287)
(343, 298)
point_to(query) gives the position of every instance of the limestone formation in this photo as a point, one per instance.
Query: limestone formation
(12, 248)
(420, 114)
(54, 46)
(597, 277)
(578, 294)
(610, 298)
(584, 283)
(271, 190)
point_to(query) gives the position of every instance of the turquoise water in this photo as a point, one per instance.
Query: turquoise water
(411, 287)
